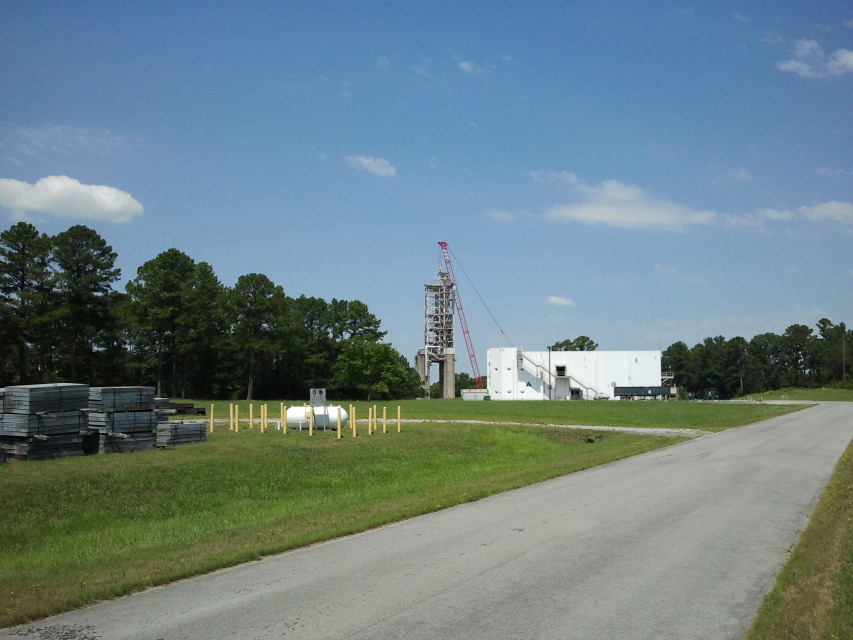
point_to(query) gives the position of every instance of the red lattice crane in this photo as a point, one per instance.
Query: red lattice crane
(461, 313)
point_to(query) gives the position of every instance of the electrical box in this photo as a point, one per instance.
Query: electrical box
(318, 397)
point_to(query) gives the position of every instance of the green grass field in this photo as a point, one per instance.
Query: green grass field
(674, 415)
(79, 530)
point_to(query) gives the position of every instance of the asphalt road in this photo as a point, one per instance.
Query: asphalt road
(677, 543)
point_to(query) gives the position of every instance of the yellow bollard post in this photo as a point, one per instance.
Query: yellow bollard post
(230, 416)
(282, 417)
(370, 412)
(375, 419)
(237, 418)
(211, 418)
(311, 421)
(398, 418)
(339, 423)
(354, 421)
(384, 420)
(252, 415)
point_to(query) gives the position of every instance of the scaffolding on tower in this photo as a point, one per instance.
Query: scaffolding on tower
(461, 313)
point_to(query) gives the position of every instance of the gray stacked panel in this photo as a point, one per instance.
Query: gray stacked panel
(106, 399)
(121, 419)
(45, 424)
(40, 398)
(178, 432)
(45, 447)
(123, 422)
(96, 442)
(41, 421)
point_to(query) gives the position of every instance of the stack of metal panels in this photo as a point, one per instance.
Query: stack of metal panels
(106, 399)
(123, 422)
(101, 442)
(121, 419)
(52, 398)
(180, 432)
(45, 447)
(43, 424)
(41, 421)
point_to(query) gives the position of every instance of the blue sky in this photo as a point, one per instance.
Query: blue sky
(640, 173)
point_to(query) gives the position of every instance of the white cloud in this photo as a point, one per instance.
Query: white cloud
(377, 166)
(738, 175)
(559, 301)
(842, 61)
(833, 173)
(471, 68)
(810, 61)
(20, 145)
(64, 197)
(616, 204)
(834, 210)
(556, 177)
(666, 269)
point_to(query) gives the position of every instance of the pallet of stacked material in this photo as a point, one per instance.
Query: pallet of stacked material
(44, 447)
(40, 398)
(175, 433)
(2, 395)
(135, 442)
(46, 424)
(95, 442)
(121, 398)
(124, 422)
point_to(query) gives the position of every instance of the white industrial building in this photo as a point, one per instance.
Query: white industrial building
(514, 374)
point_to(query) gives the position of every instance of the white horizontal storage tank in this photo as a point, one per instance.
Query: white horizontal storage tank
(324, 417)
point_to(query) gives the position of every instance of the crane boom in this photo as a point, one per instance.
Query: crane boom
(461, 313)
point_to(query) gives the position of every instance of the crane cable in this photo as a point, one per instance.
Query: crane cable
(465, 273)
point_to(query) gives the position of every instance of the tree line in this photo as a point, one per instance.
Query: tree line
(800, 357)
(178, 328)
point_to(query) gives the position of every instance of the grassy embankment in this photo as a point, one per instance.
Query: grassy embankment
(78, 530)
(822, 394)
(813, 595)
